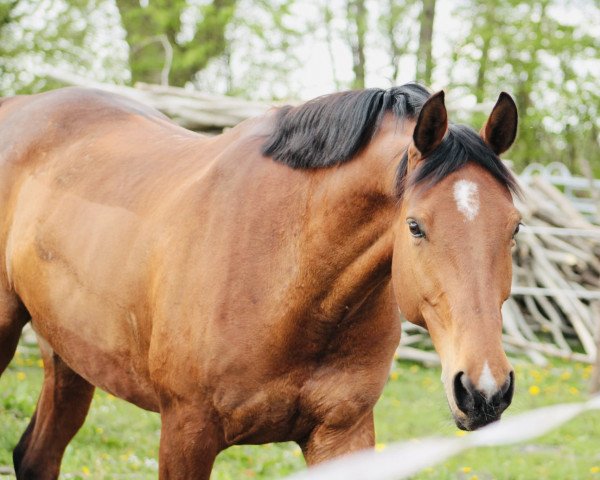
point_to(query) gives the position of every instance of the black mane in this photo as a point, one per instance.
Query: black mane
(332, 129)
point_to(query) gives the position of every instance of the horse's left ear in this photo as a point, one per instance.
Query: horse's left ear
(431, 125)
(500, 130)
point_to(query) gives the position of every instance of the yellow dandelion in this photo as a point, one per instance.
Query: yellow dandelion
(565, 375)
(85, 470)
(534, 390)
(99, 430)
(394, 376)
(466, 469)
(296, 452)
(379, 447)
(21, 376)
(595, 469)
(474, 477)
(110, 397)
(414, 368)
(460, 433)
(574, 391)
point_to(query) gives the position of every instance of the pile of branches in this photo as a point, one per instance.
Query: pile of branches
(554, 308)
(192, 109)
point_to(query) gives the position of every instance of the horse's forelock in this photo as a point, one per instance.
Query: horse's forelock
(461, 145)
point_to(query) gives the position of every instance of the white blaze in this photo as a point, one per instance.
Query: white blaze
(467, 198)
(487, 384)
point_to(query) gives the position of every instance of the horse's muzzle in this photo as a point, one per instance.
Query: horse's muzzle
(477, 407)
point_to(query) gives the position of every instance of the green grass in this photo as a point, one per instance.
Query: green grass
(119, 440)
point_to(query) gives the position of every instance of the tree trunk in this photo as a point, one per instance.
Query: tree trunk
(395, 50)
(487, 11)
(161, 19)
(327, 19)
(209, 41)
(424, 56)
(357, 14)
(482, 71)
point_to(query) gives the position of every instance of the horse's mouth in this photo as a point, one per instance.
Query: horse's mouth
(475, 421)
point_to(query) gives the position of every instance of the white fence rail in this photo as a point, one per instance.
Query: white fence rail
(402, 460)
(558, 174)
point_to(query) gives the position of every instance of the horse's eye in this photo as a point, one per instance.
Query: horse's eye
(517, 229)
(415, 230)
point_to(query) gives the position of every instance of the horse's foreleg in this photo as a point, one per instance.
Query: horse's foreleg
(327, 442)
(61, 410)
(189, 443)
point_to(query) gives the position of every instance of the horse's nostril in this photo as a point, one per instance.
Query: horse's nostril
(463, 393)
(508, 389)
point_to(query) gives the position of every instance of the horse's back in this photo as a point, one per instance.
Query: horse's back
(31, 124)
(100, 146)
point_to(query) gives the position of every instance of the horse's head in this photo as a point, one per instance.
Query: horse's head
(452, 256)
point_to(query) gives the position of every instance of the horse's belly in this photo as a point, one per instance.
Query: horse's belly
(95, 339)
(111, 370)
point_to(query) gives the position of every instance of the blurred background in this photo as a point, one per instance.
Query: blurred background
(544, 52)
(211, 63)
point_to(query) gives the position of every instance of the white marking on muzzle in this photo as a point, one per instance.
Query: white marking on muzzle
(487, 383)
(467, 198)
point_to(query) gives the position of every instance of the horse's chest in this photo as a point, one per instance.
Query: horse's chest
(288, 409)
(261, 415)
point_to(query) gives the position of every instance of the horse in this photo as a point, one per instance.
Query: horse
(246, 286)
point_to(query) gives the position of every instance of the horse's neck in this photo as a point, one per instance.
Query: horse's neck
(346, 248)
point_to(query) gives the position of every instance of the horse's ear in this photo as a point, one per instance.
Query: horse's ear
(431, 125)
(500, 130)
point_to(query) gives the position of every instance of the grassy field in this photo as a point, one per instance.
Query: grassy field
(119, 440)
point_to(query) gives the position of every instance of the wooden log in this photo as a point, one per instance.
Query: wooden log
(547, 349)
(417, 355)
(595, 378)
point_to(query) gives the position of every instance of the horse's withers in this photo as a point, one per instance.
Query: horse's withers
(452, 265)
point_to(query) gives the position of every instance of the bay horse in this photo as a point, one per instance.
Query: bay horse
(246, 286)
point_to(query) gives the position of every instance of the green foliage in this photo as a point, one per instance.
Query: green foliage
(259, 59)
(145, 25)
(532, 51)
(120, 440)
(77, 35)
(397, 28)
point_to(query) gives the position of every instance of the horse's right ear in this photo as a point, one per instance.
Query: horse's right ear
(500, 130)
(431, 125)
